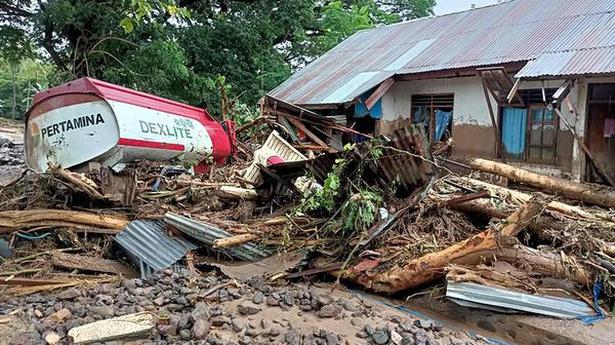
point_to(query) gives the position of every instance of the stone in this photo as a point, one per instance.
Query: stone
(379, 336)
(59, 316)
(248, 308)
(238, 324)
(272, 301)
(201, 329)
(292, 337)
(159, 301)
(424, 324)
(245, 340)
(329, 311)
(357, 322)
(258, 298)
(52, 338)
(201, 311)
(185, 334)
(103, 312)
(69, 294)
(331, 338)
(350, 306)
(38, 313)
(220, 320)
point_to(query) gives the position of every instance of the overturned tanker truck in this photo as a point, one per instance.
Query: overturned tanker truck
(88, 120)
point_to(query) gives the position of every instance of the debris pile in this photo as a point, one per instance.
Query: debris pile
(384, 213)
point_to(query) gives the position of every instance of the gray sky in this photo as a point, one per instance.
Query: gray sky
(448, 6)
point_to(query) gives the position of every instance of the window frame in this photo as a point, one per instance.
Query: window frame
(431, 108)
(542, 146)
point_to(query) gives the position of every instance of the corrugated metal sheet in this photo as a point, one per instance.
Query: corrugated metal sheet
(500, 299)
(573, 62)
(149, 245)
(514, 31)
(208, 234)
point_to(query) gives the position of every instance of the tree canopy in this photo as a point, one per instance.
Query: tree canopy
(188, 49)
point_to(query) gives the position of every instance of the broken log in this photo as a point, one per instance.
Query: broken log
(85, 263)
(560, 207)
(533, 260)
(431, 266)
(234, 240)
(17, 220)
(238, 193)
(579, 191)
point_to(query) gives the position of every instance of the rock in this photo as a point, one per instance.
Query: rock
(201, 311)
(245, 340)
(52, 338)
(59, 316)
(238, 324)
(159, 301)
(38, 313)
(329, 311)
(350, 306)
(331, 338)
(185, 334)
(357, 322)
(292, 337)
(69, 294)
(220, 320)
(258, 298)
(424, 324)
(248, 308)
(201, 329)
(272, 301)
(379, 336)
(103, 312)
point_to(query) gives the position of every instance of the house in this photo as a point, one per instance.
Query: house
(528, 81)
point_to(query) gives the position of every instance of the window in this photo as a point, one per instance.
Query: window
(541, 135)
(530, 133)
(436, 112)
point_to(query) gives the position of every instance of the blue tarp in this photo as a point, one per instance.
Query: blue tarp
(514, 122)
(443, 118)
(360, 110)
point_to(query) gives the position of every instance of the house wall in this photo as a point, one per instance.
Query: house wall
(472, 132)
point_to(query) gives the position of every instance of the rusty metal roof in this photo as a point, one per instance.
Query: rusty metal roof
(571, 63)
(514, 31)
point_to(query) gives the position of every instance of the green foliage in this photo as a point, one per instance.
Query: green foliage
(325, 198)
(360, 212)
(179, 49)
(19, 81)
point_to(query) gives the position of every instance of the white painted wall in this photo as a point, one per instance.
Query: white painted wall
(470, 106)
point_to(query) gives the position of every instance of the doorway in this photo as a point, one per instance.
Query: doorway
(600, 132)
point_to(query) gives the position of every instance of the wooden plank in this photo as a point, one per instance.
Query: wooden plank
(86, 263)
(379, 92)
(310, 134)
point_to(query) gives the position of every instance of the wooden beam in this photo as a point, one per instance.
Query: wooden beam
(309, 133)
(496, 130)
(379, 92)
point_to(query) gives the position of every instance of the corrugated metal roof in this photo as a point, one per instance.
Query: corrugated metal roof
(208, 234)
(514, 31)
(147, 242)
(572, 62)
(501, 299)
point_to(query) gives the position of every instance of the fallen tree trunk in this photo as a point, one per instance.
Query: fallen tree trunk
(585, 192)
(48, 218)
(533, 260)
(560, 207)
(431, 266)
